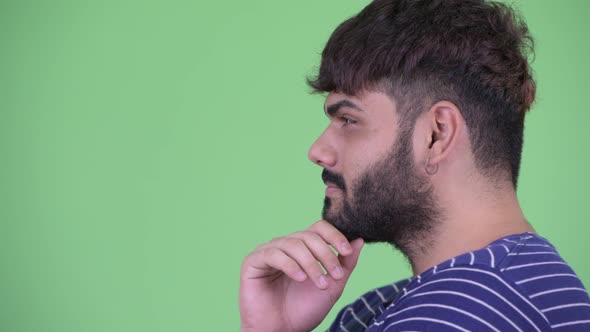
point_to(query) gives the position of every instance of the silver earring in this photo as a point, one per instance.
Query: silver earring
(426, 167)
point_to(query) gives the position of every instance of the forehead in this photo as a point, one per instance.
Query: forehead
(372, 103)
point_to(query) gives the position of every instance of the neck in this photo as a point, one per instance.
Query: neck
(470, 222)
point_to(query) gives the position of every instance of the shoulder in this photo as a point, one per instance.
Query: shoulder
(496, 288)
(537, 269)
(463, 297)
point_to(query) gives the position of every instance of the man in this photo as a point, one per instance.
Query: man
(426, 101)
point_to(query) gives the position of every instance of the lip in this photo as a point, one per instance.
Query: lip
(331, 189)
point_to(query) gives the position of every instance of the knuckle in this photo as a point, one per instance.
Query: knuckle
(291, 266)
(275, 239)
(250, 257)
(317, 237)
(318, 224)
(329, 259)
(311, 235)
(299, 234)
(313, 268)
(327, 254)
(338, 239)
(260, 247)
(271, 253)
(306, 233)
(295, 242)
(335, 235)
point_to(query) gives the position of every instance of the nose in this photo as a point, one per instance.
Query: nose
(322, 152)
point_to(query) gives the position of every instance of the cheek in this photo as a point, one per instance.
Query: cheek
(363, 148)
(370, 151)
(355, 168)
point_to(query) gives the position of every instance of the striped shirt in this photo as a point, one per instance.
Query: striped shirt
(517, 283)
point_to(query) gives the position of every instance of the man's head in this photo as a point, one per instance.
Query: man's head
(408, 81)
(371, 175)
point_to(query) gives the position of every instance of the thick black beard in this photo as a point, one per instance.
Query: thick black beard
(390, 203)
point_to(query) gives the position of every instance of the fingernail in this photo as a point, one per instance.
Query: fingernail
(322, 281)
(337, 271)
(345, 246)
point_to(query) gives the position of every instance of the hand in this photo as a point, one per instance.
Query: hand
(282, 285)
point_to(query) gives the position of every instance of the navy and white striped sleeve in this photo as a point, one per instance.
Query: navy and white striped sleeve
(361, 313)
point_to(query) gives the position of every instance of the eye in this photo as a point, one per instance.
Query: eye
(346, 121)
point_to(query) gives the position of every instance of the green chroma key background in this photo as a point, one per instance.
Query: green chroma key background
(148, 146)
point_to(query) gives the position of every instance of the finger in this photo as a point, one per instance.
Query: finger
(332, 235)
(322, 252)
(349, 262)
(296, 249)
(267, 261)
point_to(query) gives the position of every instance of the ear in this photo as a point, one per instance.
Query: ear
(445, 123)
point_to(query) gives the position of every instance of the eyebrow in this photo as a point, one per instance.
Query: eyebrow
(334, 108)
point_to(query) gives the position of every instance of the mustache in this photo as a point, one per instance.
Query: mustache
(336, 179)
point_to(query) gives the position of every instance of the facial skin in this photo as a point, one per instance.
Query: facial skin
(375, 190)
